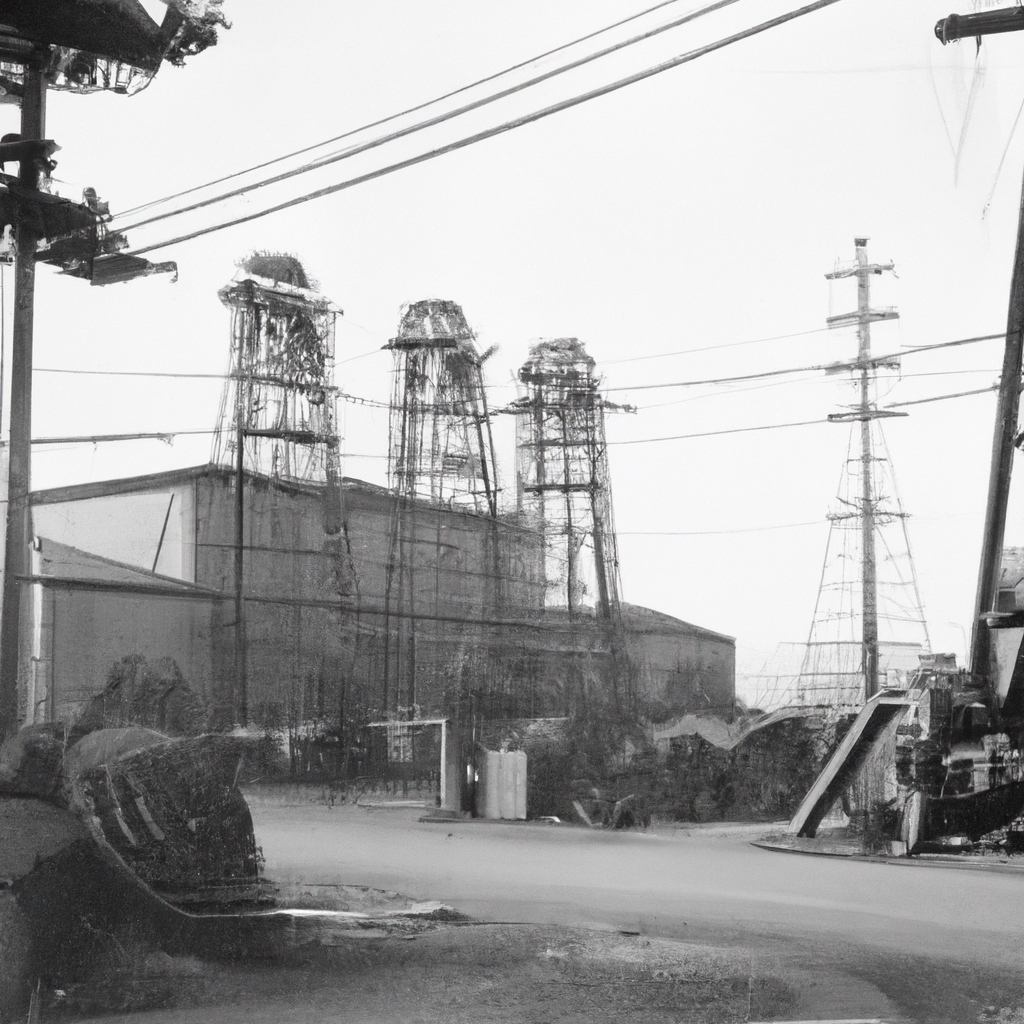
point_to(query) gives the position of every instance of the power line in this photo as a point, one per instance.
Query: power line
(852, 364)
(716, 433)
(942, 398)
(708, 533)
(175, 374)
(500, 129)
(800, 423)
(403, 113)
(343, 395)
(166, 436)
(714, 348)
(730, 392)
(436, 120)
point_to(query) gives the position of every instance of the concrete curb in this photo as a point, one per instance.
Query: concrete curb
(924, 860)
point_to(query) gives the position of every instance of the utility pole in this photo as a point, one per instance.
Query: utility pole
(1005, 434)
(18, 527)
(241, 701)
(866, 411)
(116, 47)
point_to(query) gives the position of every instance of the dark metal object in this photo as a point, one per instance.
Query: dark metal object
(967, 26)
(116, 29)
(31, 151)
(50, 217)
(116, 268)
(973, 814)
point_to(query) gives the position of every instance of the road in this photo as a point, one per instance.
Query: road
(924, 935)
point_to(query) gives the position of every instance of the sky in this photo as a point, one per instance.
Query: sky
(681, 227)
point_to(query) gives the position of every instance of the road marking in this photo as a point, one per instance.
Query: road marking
(842, 1020)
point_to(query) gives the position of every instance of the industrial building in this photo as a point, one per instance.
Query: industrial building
(280, 594)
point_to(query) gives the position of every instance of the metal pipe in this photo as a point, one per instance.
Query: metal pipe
(967, 26)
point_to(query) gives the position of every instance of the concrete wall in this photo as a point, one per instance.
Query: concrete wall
(85, 633)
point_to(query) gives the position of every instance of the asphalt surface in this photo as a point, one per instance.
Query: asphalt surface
(931, 942)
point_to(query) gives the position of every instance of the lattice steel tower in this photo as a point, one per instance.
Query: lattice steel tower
(868, 614)
(563, 483)
(277, 415)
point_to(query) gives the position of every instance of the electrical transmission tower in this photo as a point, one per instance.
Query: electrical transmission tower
(441, 455)
(868, 579)
(564, 487)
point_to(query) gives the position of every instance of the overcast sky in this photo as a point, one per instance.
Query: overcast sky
(699, 209)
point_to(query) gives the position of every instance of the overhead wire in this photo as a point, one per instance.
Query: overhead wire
(895, 378)
(709, 533)
(403, 113)
(500, 129)
(833, 367)
(942, 398)
(438, 118)
(719, 433)
(344, 396)
(376, 403)
(713, 348)
(799, 423)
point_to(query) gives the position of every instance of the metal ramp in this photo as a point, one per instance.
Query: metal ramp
(876, 722)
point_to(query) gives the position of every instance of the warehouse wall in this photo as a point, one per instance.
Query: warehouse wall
(320, 643)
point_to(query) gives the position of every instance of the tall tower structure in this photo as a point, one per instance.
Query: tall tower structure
(440, 445)
(277, 414)
(563, 483)
(868, 579)
(440, 456)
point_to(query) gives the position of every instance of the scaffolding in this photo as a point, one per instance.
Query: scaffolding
(440, 457)
(563, 482)
(441, 448)
(277, 415)
(277, 421)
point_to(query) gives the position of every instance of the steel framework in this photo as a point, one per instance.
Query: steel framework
(441, 455)
(277, 414)
(867, 622)
(563, 482)
(441, 448)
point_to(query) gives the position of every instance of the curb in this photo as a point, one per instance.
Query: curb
(926, 860)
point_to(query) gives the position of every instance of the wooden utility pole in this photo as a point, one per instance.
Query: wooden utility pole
(114, 47)
(241, 702)
(1004, 435)
(866, 412)
(19, 525)
(967, 26)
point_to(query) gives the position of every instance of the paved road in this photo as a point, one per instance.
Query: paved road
(940, 931)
